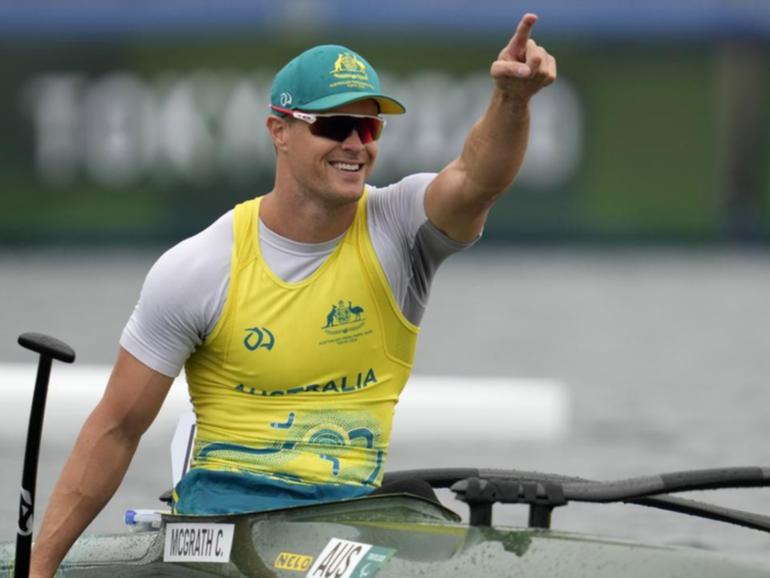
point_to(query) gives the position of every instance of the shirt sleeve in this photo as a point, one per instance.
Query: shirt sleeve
(409, 247)
(181, 299)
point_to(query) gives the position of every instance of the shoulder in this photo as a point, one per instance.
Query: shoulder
(181, 299)
(208, 247)
(406, 189)
(400, 206)
(198, 258)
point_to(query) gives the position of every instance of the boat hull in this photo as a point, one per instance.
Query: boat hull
(407, 537)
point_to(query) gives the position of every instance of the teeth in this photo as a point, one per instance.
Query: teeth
(346, 166)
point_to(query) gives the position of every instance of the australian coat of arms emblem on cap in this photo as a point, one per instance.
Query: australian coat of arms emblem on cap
(350, 71)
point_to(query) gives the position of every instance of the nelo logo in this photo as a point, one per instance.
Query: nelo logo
(291, 561)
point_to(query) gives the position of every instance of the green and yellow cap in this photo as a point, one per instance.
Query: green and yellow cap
(328, 76)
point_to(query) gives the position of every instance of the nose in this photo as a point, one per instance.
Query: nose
(353, 141)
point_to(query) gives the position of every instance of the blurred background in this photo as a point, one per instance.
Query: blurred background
(629, 261)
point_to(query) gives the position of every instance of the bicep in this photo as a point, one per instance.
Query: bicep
(134, 395)
(409, 246)
(181, 299)
(452, 208)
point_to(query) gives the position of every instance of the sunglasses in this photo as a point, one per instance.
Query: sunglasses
(338, 126)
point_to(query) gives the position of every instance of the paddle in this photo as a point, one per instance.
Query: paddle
(49, 349)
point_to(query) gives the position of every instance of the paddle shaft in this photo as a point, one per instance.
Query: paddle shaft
(49, 349)
(29, 473)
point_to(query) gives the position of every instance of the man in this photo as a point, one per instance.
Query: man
(296, 314)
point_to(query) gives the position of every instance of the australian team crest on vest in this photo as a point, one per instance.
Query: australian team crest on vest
(346, 322)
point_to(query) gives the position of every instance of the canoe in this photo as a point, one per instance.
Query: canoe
(396, 535)
(402, 535)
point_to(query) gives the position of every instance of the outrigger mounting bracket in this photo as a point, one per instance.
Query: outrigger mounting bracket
(482, 494)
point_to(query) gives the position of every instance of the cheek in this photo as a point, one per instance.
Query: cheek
(308, 151)
(371, 150)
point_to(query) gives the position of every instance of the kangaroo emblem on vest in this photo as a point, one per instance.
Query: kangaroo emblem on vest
(331, 316)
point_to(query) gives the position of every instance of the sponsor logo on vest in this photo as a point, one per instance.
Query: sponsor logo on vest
(257, 337)
(290, 561)
(198, 542)
(342, 384)
(346, 559)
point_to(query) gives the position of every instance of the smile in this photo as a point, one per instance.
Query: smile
(347, 167)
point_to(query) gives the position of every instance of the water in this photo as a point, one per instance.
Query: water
(665, 354)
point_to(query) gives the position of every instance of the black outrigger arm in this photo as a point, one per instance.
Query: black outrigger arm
(49, 349)
(481, 489)
(543, 493)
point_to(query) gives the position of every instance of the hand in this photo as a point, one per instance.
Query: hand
(523, 67)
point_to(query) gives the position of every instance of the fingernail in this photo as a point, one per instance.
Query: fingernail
(522, 72)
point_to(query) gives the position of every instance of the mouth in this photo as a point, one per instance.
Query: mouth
(347, 167)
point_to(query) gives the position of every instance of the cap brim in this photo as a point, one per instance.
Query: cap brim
(387, 104)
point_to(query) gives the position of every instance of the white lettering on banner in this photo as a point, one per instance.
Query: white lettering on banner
(198, 542)
(120, 128)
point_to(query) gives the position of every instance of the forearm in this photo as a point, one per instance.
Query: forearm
(90, 477)
(460, 197)
(495, 147)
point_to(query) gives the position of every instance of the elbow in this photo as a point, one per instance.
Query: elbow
(483, 191)
(485, 183)
(122, 427)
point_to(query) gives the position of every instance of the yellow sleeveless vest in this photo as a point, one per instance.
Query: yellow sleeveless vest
(298, 381)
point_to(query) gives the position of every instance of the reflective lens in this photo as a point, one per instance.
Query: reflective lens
(338, 127)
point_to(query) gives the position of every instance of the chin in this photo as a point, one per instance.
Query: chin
(351, 191)
(349, 194)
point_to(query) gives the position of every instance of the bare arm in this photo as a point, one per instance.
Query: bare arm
(460, 197)
(100, 458)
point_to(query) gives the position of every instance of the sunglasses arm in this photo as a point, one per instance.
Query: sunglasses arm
(306, 116)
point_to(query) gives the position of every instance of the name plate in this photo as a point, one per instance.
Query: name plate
(198, 542)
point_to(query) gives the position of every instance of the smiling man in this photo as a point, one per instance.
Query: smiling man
(296, 314)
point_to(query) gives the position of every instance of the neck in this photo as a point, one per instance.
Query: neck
(303, 219)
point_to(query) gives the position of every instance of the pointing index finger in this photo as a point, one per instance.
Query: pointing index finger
(518, 44)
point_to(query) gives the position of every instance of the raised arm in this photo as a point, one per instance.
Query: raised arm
(459, 198)
(100, 458)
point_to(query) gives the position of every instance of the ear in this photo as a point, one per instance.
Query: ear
(278, 129)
